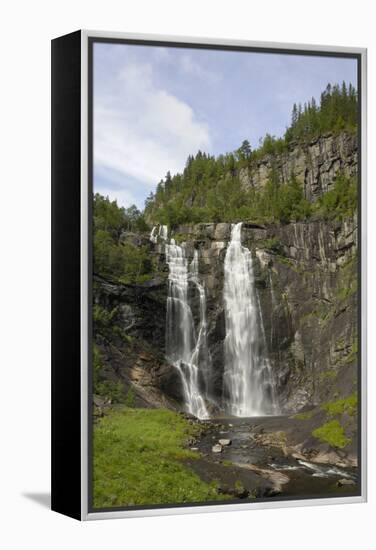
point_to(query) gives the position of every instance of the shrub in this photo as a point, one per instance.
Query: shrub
(333, 433)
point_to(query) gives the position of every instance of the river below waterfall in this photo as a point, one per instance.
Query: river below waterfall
(247, 469)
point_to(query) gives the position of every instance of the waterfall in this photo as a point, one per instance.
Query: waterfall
(186, 348)
(163, 232)
(158, 232)
(154, 235)
(201, 354)
(248, 380)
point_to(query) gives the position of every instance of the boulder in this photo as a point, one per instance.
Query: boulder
(342, 482)
(222, 231)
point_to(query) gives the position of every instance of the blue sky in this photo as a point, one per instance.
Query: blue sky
(154, 106)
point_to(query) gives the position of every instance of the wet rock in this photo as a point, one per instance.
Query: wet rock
(222, 231)
(217, 448)
(224, 442)
(98, 401)
(278, 479)
(343, 482)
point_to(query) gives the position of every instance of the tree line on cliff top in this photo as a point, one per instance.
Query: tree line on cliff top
(209, 190)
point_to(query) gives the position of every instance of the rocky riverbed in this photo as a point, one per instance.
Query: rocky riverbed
(258, 458)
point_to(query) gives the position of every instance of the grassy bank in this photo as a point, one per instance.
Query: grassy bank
(138, 456)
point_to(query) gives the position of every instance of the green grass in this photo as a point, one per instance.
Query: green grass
(304, 415)
(138, 457)
(332, 432)
(347, 405)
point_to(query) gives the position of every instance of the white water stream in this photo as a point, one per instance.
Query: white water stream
(158, 232)
(248, 380)
(186, 348)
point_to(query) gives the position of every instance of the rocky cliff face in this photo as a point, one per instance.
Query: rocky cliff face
(306, 282)
(314, 164)
(306, 276)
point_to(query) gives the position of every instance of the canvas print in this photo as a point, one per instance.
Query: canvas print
(225, 278)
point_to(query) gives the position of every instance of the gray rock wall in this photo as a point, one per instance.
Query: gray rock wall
(305, 275)
(306, 281)
(315, 164)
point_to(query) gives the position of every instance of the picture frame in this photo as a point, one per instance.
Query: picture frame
(76, 179)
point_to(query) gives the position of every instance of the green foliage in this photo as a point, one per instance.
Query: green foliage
(137, 265)
(121, 261)
(107, 389)
(336, 112)
(270, 145)
(130, 398)
(138, 457)
(97, 366)
(210, 189)
(239, 486)
(273, 245)
(243, 154)
(110, 390)
(341, 201)
(217, 195)
(103, 318)
(108, 255)
(283, 203)
(307, 415)
(348, 405)
(112, 219)
(333, 433)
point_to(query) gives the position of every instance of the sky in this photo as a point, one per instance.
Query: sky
(154, 106)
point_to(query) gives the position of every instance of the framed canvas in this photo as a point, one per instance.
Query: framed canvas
(208, 275)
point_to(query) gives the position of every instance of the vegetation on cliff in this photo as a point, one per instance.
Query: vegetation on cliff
(337, 111)
(125, 262)
(210, 189)
(333, 433)
(204, 198)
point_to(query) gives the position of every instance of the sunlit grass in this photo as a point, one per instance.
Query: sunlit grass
(138, 460)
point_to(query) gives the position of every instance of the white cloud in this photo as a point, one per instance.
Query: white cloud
(196, 70)
(142, 131)
(124, 197)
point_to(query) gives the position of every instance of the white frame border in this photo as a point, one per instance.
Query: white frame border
(85, 515)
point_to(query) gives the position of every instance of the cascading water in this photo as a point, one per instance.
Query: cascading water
(185, 349)
(248, 379)
(202, 355)
(154, 235)
(160, 232)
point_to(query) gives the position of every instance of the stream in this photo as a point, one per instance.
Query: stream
(265, 471)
